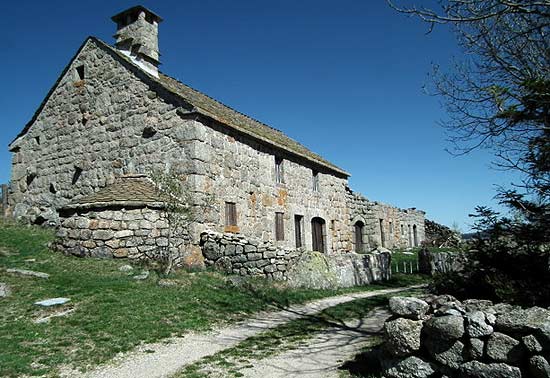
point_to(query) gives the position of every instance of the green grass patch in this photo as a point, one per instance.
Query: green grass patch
(113, 312)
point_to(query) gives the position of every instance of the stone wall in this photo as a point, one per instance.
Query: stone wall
(473, 338)
(90, 131)
(441, 262)
(397, 227)
(236, 169)
(236, 254)
(134, 233)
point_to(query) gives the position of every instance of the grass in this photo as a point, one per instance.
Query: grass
(113, 312)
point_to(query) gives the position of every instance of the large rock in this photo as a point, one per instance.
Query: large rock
(522, 321)
(475, 349)
(476, 369)
(444, 328)
(30, 273)
(312, 270)
(402, 336)
(476, 325)
(211, 251)
(503, 348)
(532, 344)
(408, 307)
(539, 367)
(410, 367)
(450, 354)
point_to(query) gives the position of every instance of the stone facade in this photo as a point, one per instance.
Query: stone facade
(107, 116)
(384, 225)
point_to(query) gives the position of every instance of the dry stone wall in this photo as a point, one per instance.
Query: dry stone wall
(441, 262)
(385, 225)
(471, 339)
(134, 233)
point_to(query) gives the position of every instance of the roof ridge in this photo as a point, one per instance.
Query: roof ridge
(221, 103)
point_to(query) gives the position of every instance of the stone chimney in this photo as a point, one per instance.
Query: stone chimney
(137, 37)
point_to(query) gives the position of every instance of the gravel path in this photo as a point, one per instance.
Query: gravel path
(165, 358)
(323, 354)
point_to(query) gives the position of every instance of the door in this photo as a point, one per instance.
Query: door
(359, 227)
(318, 234)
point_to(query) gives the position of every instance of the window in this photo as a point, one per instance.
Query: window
(415, 236)
(298, 226)
(318, 234)
(279, 227)
(359, 230)
(278, 170)
(402, 230)
(80, 72)
(315, 181)
(76, 175)
(391, 228)
(230, 214)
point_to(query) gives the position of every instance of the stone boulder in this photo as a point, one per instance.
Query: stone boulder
(408, 307)
(539, 367)
(476, 325)
(476, 369)
(522, 321)
(402, 336)
(312, 270)
(410, 367)
(503, 348)
(444, 328)
(448, 353)
(5, 290)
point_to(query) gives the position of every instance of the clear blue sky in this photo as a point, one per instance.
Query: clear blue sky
(344, 78)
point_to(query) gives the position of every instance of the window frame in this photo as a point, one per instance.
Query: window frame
(279, 226)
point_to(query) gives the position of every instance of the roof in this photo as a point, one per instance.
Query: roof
(211, 108)
(129, 190)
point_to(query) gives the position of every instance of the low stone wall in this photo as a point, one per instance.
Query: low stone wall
(320, 271)
(474, 338)
(235, 254)
(441, 262)
(139, 233)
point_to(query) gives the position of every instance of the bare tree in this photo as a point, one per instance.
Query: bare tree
(498, 96)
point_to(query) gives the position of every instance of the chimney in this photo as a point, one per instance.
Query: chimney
(137, 37)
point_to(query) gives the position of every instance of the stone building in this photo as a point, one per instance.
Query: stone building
(112, 116)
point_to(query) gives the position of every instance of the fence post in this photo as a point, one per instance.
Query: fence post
(4, 199)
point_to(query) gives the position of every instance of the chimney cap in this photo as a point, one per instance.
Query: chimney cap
(120, 17)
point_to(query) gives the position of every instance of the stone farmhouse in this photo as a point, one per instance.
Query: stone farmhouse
(83, 163)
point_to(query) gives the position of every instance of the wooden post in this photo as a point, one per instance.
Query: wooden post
(4, 199)
(404, 267)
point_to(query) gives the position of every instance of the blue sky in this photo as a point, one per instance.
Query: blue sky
(343, 78)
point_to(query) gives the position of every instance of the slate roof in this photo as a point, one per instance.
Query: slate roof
(208, 107)
(129, 190)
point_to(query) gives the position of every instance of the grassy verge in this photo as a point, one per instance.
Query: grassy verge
(112, 311)
(228, 363)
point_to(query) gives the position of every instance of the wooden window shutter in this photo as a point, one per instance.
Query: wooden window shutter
(279, 227)
(230, 214)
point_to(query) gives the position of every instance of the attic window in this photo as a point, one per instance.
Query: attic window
(148, 132)
(315, 177)
(278, 170)
(30, 178)
(80, 72)
(76, 175)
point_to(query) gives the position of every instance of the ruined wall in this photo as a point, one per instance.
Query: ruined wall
(106, 124)
(384, 225)
(134, 233)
